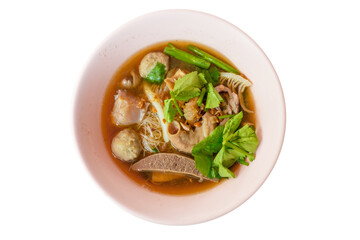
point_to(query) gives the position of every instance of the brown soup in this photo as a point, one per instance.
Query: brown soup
(177, 187)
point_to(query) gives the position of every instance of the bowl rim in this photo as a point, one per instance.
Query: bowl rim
(77, 96)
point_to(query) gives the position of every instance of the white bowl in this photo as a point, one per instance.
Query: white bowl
(217, 34)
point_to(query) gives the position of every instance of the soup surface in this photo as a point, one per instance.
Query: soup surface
(173, 183)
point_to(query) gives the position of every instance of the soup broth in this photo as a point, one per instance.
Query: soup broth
(179, 186)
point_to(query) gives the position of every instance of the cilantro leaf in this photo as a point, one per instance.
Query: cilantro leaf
(157, 74)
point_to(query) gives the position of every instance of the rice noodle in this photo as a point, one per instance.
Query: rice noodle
(237, 84)
(150, 132)
(153, 131)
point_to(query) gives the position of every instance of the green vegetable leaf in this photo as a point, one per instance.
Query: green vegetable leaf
(201, 97)
(214, 74)
(243, 162)
(176, 104)
(207, 76)
(246, 139)
(223, 160)
(157, 74)
(203, 151)
(218, 96)
(169, 110)
(187, 87)
(214, 173)
(211, 75)
(241, 144)
(225, 172)
(212, 143)
(202, 78)
(203, 163)
(231, 156)
(232, 125)
(219, 156)
(231, 145)
(226, 116)
(213, 97)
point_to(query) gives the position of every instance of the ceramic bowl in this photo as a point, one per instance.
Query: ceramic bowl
(217, 34)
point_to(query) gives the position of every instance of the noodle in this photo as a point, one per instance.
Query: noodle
(151, 132)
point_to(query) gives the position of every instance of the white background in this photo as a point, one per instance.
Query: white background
(313, 191)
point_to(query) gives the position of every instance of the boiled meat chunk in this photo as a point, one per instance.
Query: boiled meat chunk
(126, 109)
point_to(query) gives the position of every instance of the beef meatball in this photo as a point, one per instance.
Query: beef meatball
(150, 60)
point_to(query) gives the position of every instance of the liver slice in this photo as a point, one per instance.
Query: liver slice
(169, 163)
